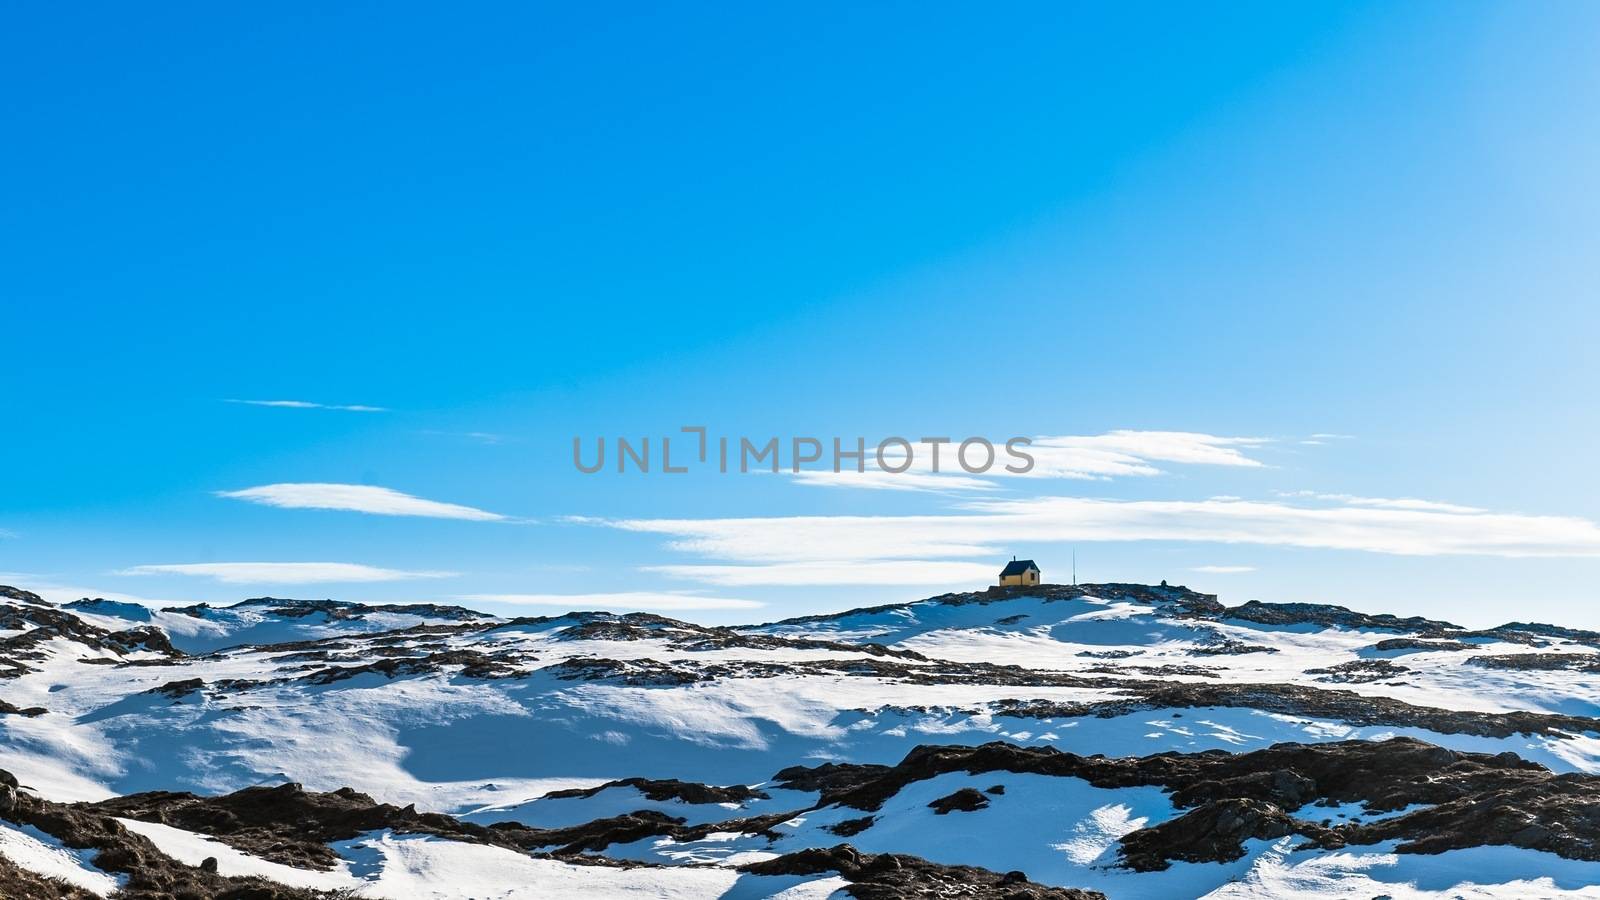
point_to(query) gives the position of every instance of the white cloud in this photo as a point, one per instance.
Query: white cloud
(1115, 454)
(992, 526)
(885, 572)
(626, 600)
(1223, 570)
(284, 572)
(379, 501)
(1131, 452)
(481, 437)
(1385, 502)
(875, 479)
(307, 404)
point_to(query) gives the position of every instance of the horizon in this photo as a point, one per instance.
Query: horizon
(1291, 305)
(998, 592)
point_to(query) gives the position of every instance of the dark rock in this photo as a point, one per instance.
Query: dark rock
(1391, 644)
(852, 827)
(889, 876)
(965, 800)
(1540, 662)
(661, 790)
(1214, 832)
(1360, 671)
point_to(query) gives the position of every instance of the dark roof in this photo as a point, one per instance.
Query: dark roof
(1017, 567)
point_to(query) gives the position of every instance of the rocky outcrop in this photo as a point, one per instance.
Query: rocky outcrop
(1213, 832)
(150, 874)
(964, 800)
(1541, 662)
(1309, 702)
(1390, 645)
(661, 790)
(1328, 616)
(894, 876)
(7, 592)
(1470, 799)
(1360, 671)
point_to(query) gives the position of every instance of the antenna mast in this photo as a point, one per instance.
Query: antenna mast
(1074, 566)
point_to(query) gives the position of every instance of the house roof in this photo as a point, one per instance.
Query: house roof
(1017, 567)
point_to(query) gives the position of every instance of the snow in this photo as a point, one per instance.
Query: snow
(33, 850)
(388, 865)
(491, 750)
(192, 849)
(1056, 829)
(403, 866)
(1475, 874)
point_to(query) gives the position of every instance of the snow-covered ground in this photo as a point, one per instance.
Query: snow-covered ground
(481, 718)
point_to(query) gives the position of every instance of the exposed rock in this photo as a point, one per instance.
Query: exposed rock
(660, 790)
(966, 800)
(8, 592)
(1213, 832)
(1391, 644)
(1360, 671)
(1472, 799)
(1107, 654)
(177, 690)
(1231, 648)
(1327, 616)
(1316, 703)
(852, 827)
(828, 778)
(639, 673)
(473, 665)
(8, 709)
(151, 874)
(1541, 662)
(892, 876)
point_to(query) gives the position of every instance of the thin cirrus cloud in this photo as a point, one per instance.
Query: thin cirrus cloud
(307, 404)
(626, 600)
(873, 572)
(1385, 502)
(1101, 457)
(378, 501)
(285, 572)
(876, 480)
(785, 549)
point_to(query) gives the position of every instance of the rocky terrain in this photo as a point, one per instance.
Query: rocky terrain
(1117, 740)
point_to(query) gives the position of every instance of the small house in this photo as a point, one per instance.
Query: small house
(1021, 572)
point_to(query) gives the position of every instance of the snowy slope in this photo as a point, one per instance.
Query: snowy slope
(682, 742)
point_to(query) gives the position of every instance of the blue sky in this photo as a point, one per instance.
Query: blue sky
(1317, 258)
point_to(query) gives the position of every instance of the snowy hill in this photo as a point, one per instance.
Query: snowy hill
(1117, 740)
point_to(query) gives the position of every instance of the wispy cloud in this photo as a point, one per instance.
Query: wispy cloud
(380, 501)
(1223, 570)
(307, 404)
(481, 437)
(873, 479)
(898, 571)
(627, 600)
(284, 572)
(1115, 454)
(1385, 502)
(986, 528)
